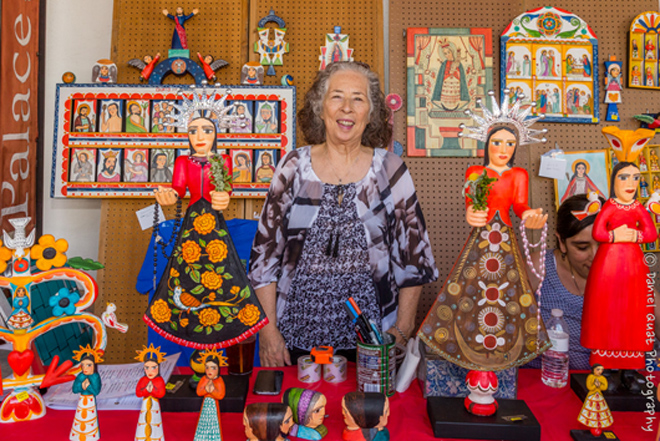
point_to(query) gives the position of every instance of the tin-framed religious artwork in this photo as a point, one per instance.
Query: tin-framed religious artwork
(449, 69)
(643, 51)
(335, 49)
(550, 56)
(587, 171)
(113, 141)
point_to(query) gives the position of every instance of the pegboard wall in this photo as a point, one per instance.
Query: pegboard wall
(438, 180)
(307, 23)
(219, 29)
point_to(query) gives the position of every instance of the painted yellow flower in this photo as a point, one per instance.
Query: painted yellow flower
(211, 280)
(249, 315)
(183, 322)
(174, 273)
(49, 252)
(5, 256)
(190, 251)
(204, 224)
(209, 317)
(212, 296)
(217, 251)
(234, 290)
(160, 311)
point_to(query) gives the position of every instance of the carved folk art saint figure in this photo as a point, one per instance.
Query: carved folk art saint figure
(204, 299)
(485, 317)
(614, 318)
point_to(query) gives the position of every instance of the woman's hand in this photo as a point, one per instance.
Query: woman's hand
(534, 218)
(85, 384)
(272, 349)
(165, 196)
(150, 387)
(220, 200)
(476, 218)
(209, 387)
(624, 234)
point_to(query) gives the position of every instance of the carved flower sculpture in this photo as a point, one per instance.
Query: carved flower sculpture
(49, 252)
(63, 302)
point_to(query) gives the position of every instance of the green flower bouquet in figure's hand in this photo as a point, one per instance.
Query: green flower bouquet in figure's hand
(221, 179)
(477, 188)
(220, 172)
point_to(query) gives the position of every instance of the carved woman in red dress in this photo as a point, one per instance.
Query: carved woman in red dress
(614, 319)
(150, 388)
(485, 317)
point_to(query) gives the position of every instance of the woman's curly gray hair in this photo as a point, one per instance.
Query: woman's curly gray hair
(378, 131)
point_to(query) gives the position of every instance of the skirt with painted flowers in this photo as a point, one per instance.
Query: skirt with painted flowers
(485, 317)
(204, 299)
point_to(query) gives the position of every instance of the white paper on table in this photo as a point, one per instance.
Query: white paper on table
(146, 216)
(118, 390)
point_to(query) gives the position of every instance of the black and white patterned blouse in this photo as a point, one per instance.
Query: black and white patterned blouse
(398, 248)
(333, 266)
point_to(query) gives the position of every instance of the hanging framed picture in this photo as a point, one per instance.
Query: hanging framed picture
(113, 141)
(551, 56)
(586, 171)
(449, 69)
(643, 65)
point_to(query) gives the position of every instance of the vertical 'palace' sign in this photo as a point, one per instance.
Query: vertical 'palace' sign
(18, 109)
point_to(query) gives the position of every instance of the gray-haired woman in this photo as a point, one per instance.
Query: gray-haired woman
(341, 220)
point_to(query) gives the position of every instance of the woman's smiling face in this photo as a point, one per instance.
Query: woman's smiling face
(345, 110)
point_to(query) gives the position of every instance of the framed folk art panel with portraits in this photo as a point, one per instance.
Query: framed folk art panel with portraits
(549, 56)
(113, 140)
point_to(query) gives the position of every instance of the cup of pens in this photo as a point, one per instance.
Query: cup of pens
(376, 354)
(376, 366)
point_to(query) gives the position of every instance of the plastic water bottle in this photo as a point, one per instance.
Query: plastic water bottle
(554, 361)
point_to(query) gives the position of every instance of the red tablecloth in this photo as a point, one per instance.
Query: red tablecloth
(556, 410)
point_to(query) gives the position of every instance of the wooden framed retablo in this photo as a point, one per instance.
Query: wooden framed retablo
(449, 69)
(643, 65)
(116, 140)
(551, 57)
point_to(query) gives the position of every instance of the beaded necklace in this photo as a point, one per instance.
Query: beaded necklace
(540, 274)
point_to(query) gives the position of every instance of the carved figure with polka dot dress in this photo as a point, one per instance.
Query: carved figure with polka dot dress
(486, 315)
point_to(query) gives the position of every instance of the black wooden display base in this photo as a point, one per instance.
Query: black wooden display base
(186, 400)
(449, 419)
(620, 400)
(585, 435)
